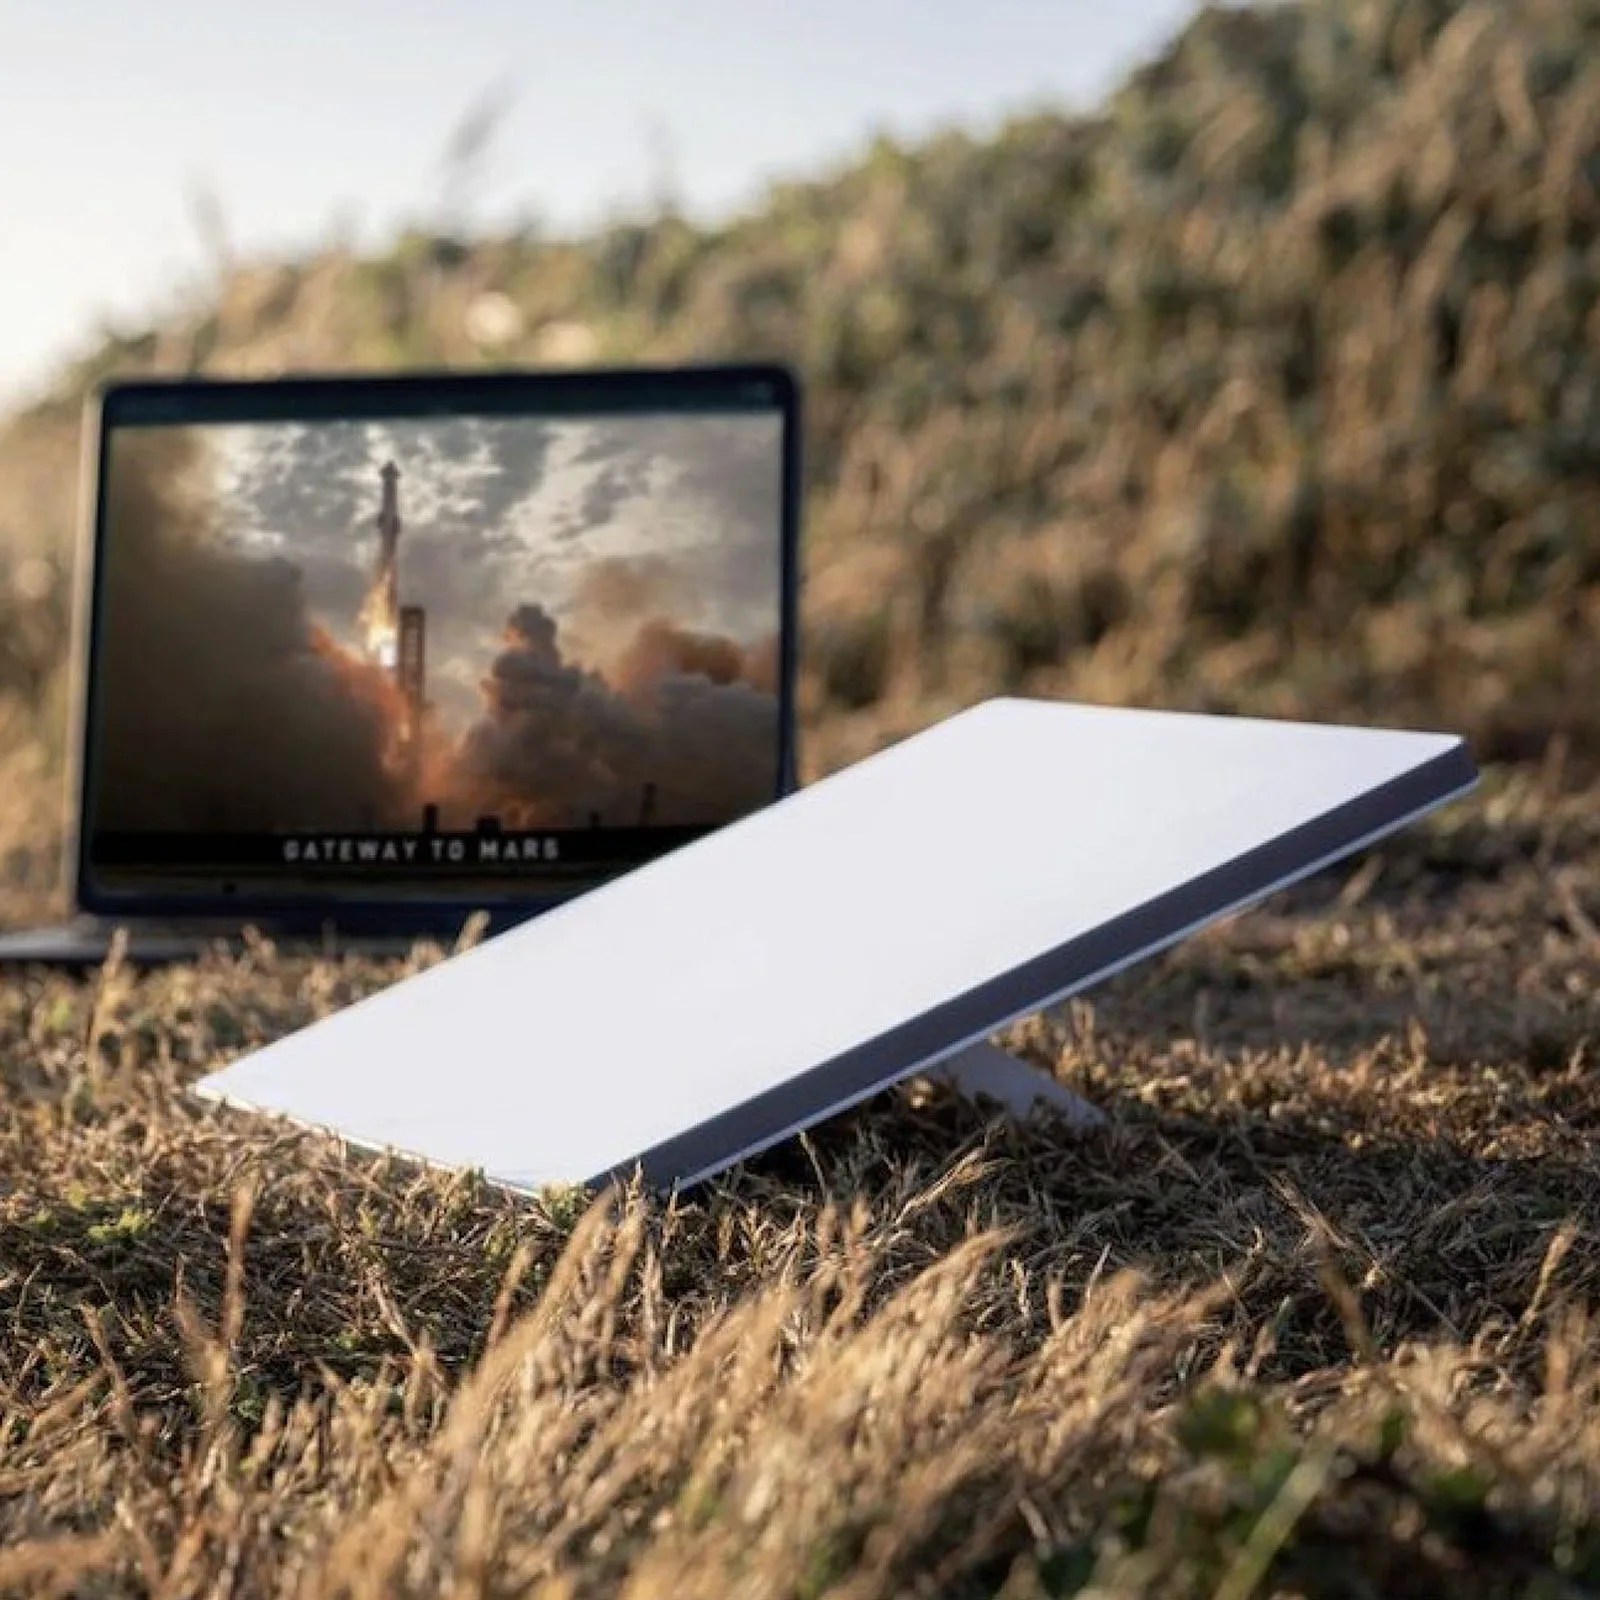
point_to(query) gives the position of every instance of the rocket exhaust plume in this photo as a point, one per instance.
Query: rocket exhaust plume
(379, 618)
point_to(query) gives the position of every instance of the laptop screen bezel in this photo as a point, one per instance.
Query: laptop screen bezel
(619, 391)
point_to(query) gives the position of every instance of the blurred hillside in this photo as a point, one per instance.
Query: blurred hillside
(1274, 386)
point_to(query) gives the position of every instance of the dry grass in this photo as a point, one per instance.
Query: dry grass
(1313, 1317)
(1271, 386)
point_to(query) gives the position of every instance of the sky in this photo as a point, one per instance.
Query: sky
(136, 136)
(501, 512)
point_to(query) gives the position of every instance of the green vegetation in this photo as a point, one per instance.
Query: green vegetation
(1272, 386)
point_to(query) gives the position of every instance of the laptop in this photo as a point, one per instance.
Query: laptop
(359, 657)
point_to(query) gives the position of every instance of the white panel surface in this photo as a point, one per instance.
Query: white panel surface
(801, 958)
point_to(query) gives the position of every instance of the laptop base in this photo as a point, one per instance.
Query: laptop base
(984, 1072)
(86, 941)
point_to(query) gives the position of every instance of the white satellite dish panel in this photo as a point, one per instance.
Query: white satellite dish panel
(871, 926)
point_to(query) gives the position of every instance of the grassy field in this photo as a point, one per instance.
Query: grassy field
(1270, 386)
(1314, 1316)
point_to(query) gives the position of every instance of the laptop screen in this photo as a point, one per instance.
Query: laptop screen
(419, 649)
